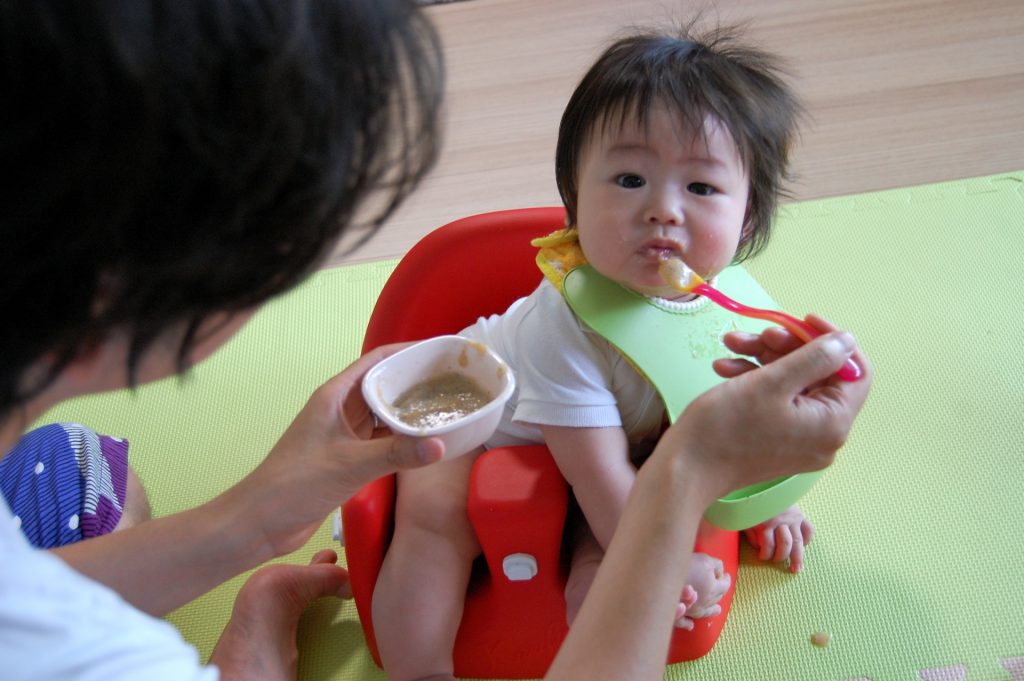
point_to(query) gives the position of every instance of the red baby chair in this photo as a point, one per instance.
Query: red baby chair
(514, 617)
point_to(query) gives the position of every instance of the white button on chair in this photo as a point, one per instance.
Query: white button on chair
(519, 567)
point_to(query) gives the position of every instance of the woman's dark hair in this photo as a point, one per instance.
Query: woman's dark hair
(171, 160)
(696, 75)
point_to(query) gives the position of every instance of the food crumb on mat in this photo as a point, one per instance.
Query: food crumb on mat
(821, 638)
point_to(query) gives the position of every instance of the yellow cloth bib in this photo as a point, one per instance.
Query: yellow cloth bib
(559, 254)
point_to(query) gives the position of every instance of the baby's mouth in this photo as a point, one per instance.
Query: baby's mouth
(662, 250)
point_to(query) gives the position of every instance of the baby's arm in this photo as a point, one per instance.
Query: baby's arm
(595, 463)
(783, 537)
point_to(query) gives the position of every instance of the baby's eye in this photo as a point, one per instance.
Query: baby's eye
(701, 189)
(630, 181)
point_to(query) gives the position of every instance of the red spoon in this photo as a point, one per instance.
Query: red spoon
(679, 276)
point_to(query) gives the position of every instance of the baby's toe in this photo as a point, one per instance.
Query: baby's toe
(689, 596)
(684, 622)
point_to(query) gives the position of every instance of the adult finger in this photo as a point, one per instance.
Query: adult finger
(780, 340)
(355, 415)
(825, 326)
(368, 460)
(330, 557)
(324, 556)
(730, 367)
(774, 340)
(820, 323)
(291, 587)
(317, 580)
(760, 349)
(743, 342)
(353, 374)
(812, 363)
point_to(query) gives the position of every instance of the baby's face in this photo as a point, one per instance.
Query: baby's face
(654, 192)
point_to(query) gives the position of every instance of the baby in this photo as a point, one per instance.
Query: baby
(672, 146)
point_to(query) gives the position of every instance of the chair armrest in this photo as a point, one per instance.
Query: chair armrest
(517, 504)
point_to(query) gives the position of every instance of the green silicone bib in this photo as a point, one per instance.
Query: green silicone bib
(674, 349)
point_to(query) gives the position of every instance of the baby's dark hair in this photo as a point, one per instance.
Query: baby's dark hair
(697, 75)
(169, 160)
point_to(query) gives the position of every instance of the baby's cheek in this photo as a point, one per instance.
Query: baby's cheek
(716, 252)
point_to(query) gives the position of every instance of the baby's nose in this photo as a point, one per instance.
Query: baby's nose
(665, 208)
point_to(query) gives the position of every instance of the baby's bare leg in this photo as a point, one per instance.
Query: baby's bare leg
(418, 600)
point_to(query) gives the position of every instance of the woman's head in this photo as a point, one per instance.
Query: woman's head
(699, 78)
(173, 161)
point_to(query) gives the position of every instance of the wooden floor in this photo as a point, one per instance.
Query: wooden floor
(900, 92)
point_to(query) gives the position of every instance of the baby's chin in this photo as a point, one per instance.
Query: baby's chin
(660, 290)
(673, 294)
(648, 282)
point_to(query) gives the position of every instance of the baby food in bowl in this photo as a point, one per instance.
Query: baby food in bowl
(440, 400)
(448, 387)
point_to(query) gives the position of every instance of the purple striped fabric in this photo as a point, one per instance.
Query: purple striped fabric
(65, 483)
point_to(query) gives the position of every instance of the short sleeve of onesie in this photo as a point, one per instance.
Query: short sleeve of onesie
(566, 374)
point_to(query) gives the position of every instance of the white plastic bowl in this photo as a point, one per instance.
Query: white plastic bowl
(393, 375)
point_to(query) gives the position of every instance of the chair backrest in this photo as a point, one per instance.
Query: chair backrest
(468, 268)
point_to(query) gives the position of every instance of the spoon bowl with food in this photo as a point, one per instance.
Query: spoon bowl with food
(680, 277)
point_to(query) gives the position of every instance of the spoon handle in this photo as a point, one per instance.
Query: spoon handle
(850, 371)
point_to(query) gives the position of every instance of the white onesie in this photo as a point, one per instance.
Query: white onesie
(566, 374)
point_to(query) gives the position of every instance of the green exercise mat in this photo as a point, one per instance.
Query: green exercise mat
(917, 567)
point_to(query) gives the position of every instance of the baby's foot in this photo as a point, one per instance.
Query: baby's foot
(782, 538)
(707, 582)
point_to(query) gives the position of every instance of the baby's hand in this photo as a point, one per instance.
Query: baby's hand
(783, 537)
(706, 584)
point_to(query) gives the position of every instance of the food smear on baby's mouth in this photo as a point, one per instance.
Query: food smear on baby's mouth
(440, 400)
